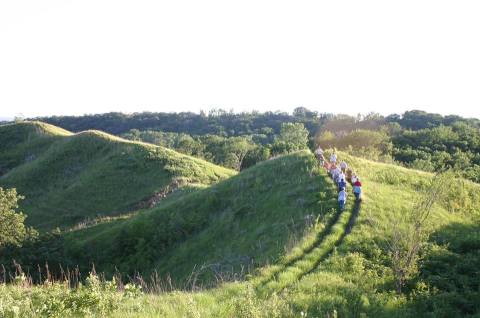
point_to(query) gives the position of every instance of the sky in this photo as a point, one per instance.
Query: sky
(72, 57)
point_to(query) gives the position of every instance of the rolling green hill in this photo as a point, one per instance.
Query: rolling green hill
(226, 230)
(244, 221)
(68, 178)
(339, 267)
(269, 241)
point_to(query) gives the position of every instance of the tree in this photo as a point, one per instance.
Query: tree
(410, 234)
(256, 155)
(302, 112)
(294, 135)
(12, 228)
(188, 145)
(325, 139)
(237, 148)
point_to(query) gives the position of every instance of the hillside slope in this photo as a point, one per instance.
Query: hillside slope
(25, 141)
(340, 267)
(239, 223)
(278, 221)
(356, 277)
(68, 178)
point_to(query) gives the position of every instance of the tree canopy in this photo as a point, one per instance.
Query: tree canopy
(12, 227)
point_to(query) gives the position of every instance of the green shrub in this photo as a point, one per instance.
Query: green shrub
(96, 298)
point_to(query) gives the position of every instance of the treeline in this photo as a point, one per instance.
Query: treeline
(414, 139)
(238, 152)
(215, 122)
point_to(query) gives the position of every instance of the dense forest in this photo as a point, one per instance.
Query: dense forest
(415, 139)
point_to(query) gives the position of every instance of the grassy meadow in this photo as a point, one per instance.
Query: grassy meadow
(70, 178)
(267, 242)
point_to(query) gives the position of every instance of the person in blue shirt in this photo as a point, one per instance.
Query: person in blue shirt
(357, 189)
(342, 184)
(342, 199)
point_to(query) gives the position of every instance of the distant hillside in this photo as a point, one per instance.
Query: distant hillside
(67, 178)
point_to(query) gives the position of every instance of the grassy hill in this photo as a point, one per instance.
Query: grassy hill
(25, 141)
(220, 232)
(339, 267)
(243, 221)
(269, 241)
(68, 178)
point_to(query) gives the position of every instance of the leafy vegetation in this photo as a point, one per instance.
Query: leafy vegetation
(216, 122)
(432, 149)
(96, 298)
(267, 242)
(12, 227)
(233, 152)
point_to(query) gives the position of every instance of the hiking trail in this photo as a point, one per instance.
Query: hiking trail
(294, 269)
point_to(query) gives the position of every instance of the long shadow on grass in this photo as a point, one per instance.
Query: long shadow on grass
(351, 222)
(347, 229)
(318, 241)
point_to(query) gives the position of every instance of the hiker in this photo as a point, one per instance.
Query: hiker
(342, 184)
(326, 165)
(349, 174)
(321, 159)
(341, 176)
(343, 166)
(357, 189)
(342, 199)
(319, 153)
(336, 174)
(333, 157)
(354, 178)
(332, 169)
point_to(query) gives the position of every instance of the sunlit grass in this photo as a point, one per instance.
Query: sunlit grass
(264, 215)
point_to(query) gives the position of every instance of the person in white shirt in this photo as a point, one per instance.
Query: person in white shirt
(333, 158)
(336, 174)
(331, 170)
(319, 155)
(342, 199)
(343, 166)
(354, 178)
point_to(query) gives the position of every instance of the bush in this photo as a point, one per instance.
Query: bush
(95, 298)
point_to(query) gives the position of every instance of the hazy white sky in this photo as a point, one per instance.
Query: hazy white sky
(91, 56)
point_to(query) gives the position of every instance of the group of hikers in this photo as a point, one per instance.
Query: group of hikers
(340, 174)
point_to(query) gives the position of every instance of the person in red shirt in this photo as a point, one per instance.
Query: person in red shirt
(357, 189)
